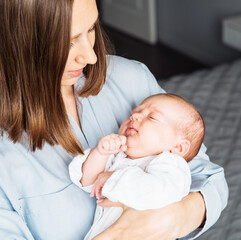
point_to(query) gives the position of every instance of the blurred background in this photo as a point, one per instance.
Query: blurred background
(171, 36)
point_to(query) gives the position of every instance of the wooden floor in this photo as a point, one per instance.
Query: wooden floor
(163, 61)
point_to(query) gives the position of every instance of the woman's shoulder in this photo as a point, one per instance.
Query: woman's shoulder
(117, 64)
(131, 75)
(121, 60)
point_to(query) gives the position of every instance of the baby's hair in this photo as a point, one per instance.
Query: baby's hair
(191, 126)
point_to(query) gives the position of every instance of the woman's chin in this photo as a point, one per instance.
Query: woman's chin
(69, 81)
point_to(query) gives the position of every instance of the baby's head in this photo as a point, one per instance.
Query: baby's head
(163, 122)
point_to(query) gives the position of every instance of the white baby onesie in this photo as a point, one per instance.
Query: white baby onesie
(146, 183)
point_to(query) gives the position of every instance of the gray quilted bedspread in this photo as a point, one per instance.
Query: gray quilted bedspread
(216, 94)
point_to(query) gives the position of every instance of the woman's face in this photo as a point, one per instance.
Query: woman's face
(84, 17)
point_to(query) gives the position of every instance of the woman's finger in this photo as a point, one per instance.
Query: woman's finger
(123, 148)
(98, 189)
(107, 203)
(92, 194)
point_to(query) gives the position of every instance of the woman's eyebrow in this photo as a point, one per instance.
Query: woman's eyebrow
(77, 35)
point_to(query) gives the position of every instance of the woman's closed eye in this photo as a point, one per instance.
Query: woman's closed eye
(92, 29)
(72, 44)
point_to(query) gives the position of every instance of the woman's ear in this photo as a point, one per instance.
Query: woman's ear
(181, 148)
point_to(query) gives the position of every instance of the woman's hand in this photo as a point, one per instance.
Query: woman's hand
(171, 222)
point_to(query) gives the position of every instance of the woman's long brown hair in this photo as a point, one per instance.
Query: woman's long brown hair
(34, 47)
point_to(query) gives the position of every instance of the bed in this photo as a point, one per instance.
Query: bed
(216, 94)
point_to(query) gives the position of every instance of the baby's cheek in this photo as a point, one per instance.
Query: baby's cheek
(122, 129)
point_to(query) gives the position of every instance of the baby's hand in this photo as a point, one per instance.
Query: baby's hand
(99, 184)
(111, 144)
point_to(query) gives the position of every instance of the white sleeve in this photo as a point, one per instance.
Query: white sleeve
(165, 180)
(75, 170)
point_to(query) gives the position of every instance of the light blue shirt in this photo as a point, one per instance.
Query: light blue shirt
(37, 198)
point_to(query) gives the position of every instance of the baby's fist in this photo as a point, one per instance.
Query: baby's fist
(111, 144)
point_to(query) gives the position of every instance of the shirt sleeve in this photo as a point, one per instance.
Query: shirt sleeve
(208, 179)
(75, 170)
(12, 225)
(165, 180)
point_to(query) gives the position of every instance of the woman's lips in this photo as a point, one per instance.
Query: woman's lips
(75, 73)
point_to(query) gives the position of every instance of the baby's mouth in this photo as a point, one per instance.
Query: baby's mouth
(131, 131)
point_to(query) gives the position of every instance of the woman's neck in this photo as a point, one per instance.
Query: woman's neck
(70, 102)
(67, 91)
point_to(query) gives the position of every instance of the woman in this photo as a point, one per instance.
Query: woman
(56, 100)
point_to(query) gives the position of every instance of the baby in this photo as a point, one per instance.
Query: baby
(146, 165)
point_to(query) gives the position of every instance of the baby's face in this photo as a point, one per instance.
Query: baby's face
(151, 129)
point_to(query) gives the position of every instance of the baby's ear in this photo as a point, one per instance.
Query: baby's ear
(181, 148)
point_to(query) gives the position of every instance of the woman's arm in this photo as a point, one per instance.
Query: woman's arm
(171, 222)
(208, 178)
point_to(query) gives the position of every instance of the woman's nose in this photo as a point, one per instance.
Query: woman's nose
(136, 117)
(86, 53)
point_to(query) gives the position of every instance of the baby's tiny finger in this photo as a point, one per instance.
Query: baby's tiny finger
(106, 145)
(123, 148)
(122, 139)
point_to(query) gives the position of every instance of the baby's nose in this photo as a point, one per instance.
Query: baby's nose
(136, 117)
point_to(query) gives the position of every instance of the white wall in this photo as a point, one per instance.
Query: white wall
(194, 27)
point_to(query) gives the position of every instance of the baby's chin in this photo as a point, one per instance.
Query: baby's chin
(134, 156)
(130, 156)
(134, 152)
